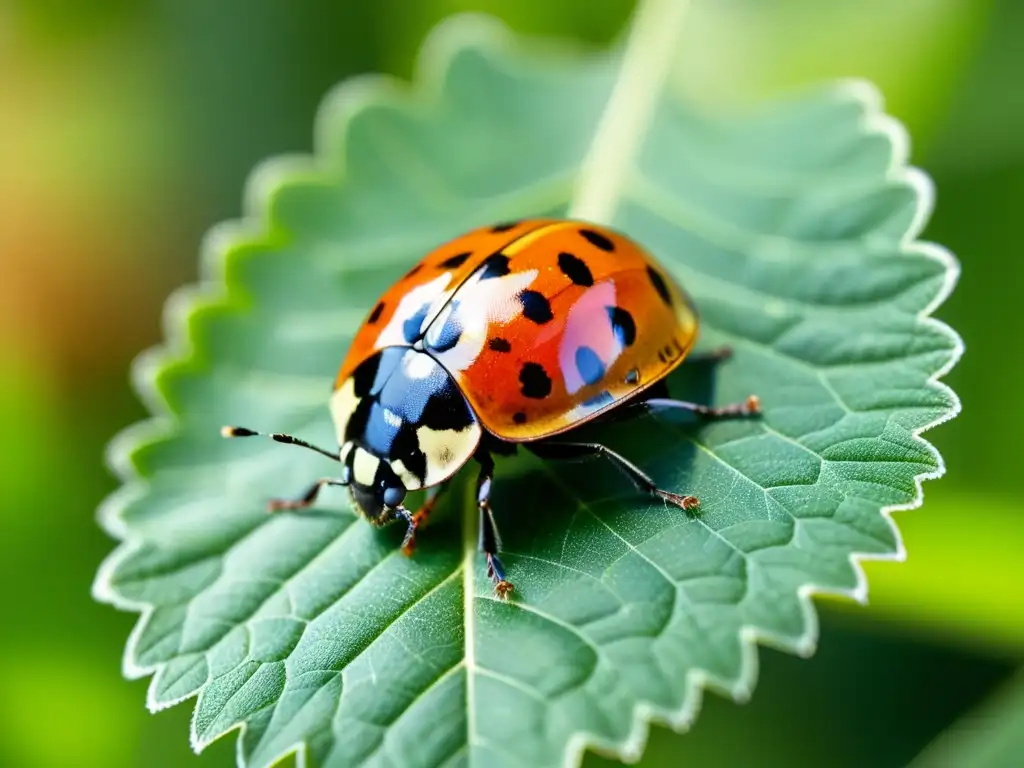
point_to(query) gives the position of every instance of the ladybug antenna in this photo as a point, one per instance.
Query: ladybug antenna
(277, 437)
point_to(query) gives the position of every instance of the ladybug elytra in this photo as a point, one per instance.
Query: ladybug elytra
(512, 334)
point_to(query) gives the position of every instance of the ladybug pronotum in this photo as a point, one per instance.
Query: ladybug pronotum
(511, 334)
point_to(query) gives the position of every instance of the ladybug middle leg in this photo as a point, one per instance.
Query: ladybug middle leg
(490, 539)
(559, 450)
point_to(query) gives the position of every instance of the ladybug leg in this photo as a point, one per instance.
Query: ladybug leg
(309, 497)
(562, 451)
(490, 539)
(658, 398)
(433, 494)
(401, 513)
(420, 516)
(306, 500)
(710, 357)
(749, 407)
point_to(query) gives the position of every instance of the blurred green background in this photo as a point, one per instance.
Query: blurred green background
(127, 128)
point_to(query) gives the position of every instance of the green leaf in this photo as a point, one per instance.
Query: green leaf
(794, 228)
(982, 609)
(990, 736)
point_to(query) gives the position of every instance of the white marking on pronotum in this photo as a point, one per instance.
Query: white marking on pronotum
(408, 478)
(391, 418)
(346, 449)
(418, 365)
(364, 467)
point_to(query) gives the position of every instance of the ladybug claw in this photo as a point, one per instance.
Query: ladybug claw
(503, 589)
(686, 503)
(409, 542)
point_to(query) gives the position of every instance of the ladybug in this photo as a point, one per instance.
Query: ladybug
(509, 335)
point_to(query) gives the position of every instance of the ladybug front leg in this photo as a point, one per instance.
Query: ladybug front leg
(307, 499)
(420, 516)
(490, 539)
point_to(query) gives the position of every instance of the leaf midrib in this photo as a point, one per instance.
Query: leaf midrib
(602, 177)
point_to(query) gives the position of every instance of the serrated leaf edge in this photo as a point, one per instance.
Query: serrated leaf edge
(338, 108)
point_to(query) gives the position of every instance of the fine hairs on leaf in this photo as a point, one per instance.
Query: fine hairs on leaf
(793, 226)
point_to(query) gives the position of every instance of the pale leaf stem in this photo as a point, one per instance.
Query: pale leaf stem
(646, 61)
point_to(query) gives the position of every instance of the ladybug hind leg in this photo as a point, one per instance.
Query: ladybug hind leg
(657, 398)
(558, 450)
(490, 539)
(749, 407)
(710, 357)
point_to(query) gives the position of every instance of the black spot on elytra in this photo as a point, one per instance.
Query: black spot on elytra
(375, 315)
(669, 352)
(535, 307)
(498, 344)
(411, 327)
(622, 325)
(414, 270)
(455, 261)
(535, 380)
(589, 365)
(519, 417)
(495, 265)
(364, 375)
(504, 226)
(598, 240)
(659, 284)
(575, 269)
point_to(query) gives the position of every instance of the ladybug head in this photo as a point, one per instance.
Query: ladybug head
(374, 486)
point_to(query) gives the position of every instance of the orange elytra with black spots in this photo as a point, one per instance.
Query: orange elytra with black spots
(509, 335)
